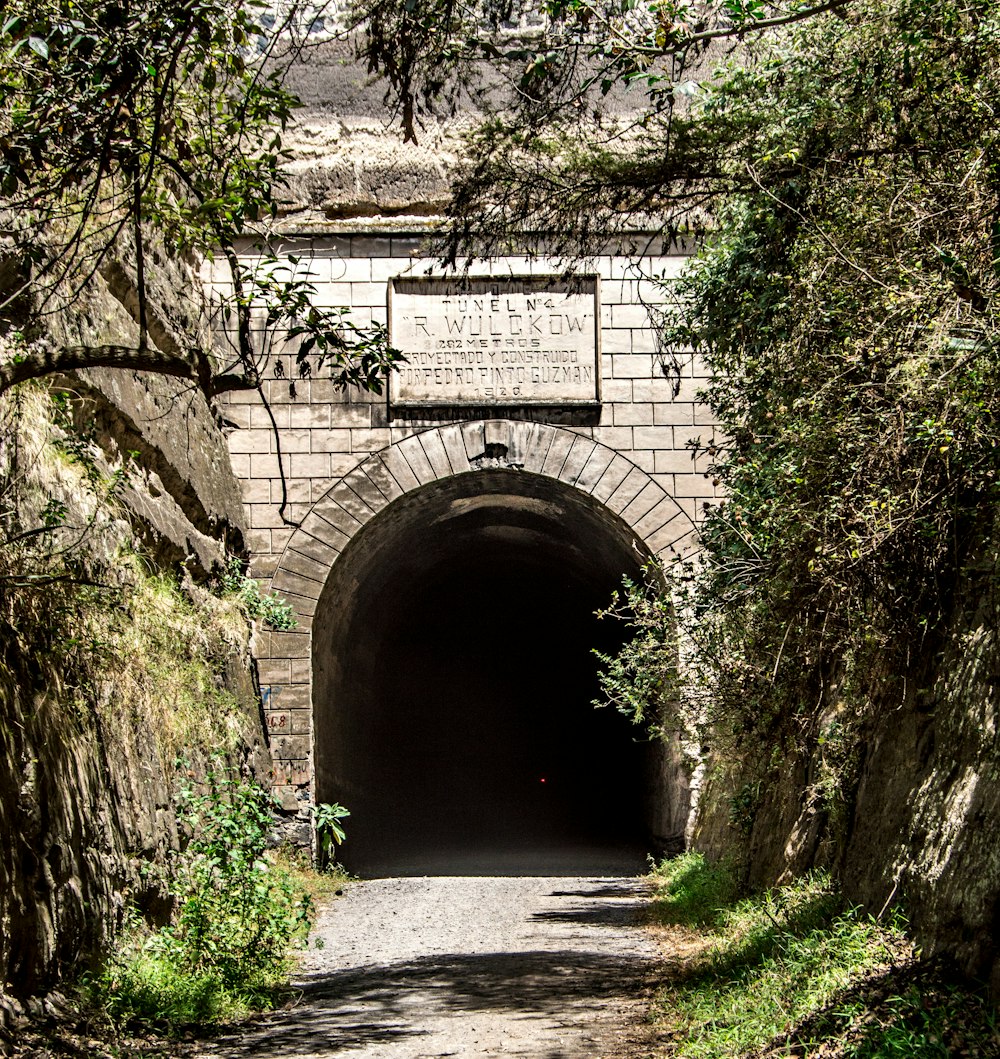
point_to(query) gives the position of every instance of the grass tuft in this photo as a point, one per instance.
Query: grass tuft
(793, 971)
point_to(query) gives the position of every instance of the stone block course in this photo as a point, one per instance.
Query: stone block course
(700, 435)
(629, 316)
(413, 452)
(290, 747)
(400, 470)
(474, 434)
(643, 458)
(556, 456)
(532, 447)
(274, 671)
(650, 437)
(259, 419)
(627, 490)
(577, 458)
(351, 415)
(323, 549)
(612, 478)
(658, 389)
(299, 563)
(436, 454)
(616, 390)
(381, 479)
(359, 495)
(239, 416)
(664, 511)
(632, 366)
(677, 413)
(695, 485)
(257, 491)
(301, 670)
(264, 465)
(290, 583)
(369, 440)
(454, 445)
(342, 463)
(348, 456)
(674, 461)
(632, 414)
(301, 722)
(308, 464)
(616, 340)
(285, 645)
(264, 516)
(644, 501)
(299, 440)
(310, 416)
(619, 438)
(330, 510)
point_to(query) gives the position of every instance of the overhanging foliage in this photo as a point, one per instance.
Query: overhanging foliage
(130, 132)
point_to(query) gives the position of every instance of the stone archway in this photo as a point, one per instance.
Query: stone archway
(540, 496)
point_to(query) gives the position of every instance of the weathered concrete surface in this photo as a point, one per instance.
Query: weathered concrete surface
(350, 160)
(551, 968)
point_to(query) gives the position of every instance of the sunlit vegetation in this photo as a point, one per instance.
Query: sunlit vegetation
(794, 971)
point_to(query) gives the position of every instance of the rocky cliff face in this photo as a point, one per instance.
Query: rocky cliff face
(123, 674)
(914, 821)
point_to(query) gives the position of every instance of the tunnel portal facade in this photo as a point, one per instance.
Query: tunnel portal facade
(457, 535)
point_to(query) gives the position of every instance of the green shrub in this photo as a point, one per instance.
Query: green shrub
(265, 607)
(329, 832)
(237, 916)
(692, 892)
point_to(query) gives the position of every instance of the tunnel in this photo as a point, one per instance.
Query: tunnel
(454, 679)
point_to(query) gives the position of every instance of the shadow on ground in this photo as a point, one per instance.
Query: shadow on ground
(365, 1006)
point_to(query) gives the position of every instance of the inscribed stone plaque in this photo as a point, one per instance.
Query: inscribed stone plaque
(496, 340)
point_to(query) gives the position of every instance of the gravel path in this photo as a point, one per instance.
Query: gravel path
(552, 968)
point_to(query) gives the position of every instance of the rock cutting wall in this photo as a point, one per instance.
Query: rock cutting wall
(103, 689)
(124, 663)
(918, 828)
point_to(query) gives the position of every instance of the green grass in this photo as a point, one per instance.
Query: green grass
(691, 892)
(794, 971)
(144, 985)
(240, 910)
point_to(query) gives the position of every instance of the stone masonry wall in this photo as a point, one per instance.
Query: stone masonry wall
(648, 420)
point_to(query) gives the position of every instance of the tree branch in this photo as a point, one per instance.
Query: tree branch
(44, 358)
(743, 29)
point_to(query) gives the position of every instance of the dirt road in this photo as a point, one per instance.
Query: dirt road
(551, 968)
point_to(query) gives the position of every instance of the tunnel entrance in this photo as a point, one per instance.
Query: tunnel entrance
(454, 675)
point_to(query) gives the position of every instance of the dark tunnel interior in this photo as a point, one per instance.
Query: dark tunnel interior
(454, 680)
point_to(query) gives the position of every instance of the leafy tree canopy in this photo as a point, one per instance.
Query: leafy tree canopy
(134, 129)
(591, 107)
(844, 169)
(848, 306)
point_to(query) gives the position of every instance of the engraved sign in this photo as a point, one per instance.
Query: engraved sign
(496, 340)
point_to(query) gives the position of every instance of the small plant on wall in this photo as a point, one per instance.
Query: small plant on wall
(256, 604)
(329, 832)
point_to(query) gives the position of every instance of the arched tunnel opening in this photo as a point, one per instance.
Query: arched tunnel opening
(453, 683)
